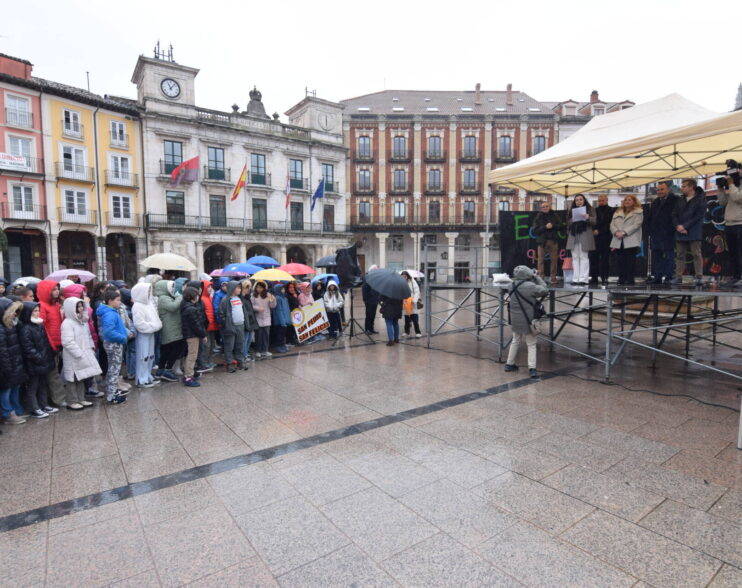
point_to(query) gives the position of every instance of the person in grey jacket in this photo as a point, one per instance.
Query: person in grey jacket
(731, 199)
(526, 291)
(232, 319)
(626, 228)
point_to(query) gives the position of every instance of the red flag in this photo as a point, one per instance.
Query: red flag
(240, 183)
(185, 172)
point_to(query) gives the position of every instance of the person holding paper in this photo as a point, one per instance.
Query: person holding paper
(580, 223)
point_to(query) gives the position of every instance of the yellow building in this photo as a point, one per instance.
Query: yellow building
(93, 158)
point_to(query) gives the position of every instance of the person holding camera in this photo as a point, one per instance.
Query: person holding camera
(688, 220)
(526, 292)
(730, 196)
(546, 227)
(661, 231)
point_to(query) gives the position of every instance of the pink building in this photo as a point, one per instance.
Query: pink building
(23, 204)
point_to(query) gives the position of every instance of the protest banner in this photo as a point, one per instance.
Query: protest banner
(309, 320)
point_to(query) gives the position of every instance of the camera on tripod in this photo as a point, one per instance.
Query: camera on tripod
(732, 171)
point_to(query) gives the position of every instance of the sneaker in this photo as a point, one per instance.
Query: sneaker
(281, 349)
(151, 384)
(242, 366)
(258, 355)
(93, 393)
(405, 335)
(123, 385)
(39, 414)
(208, 368)
(86, 403)
(50, 410)
(168, 376)
(418, 336)
(738, 284)
(75, 406)
(14, 419)
(117, 399)
(676, 281)
(191, 382)
(177, 371)
(267, 354)
(511, 367)
(121, 392)
(231, 369)
(699, 281)
(533, 373)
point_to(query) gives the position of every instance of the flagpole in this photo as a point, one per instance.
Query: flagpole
(286, 204)
(244, 204)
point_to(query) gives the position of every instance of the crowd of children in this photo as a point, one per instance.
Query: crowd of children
(76, 347)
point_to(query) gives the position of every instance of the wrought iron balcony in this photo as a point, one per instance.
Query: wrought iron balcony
(21, 164)
(71, 171)
(75, 216)
(470, 188)
(400, 157)
(122, 220)
(15, 210)
(435, 156)
(18, 118)
(367, 223)
(120, 178)
(435, 189)
(299, 184)
(364, 188)
(470, 156)
(505, 158)
(73, 130)
(167, 167)
(364, 157)
(400, 189)
(231, 224)
(333, 187)
(217, 174)
(263, 179)
(119, 140)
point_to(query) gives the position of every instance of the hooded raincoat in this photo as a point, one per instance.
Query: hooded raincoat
(51, 312)
(144, 311)
(168, 307)
(12, 370)
(78, 353)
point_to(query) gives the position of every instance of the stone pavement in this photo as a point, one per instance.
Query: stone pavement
(559, 482)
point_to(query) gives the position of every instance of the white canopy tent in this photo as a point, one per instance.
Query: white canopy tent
(666, 138)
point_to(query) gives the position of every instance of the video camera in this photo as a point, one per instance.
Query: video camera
(732, 171)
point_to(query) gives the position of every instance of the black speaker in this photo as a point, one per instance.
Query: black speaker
(347, 269)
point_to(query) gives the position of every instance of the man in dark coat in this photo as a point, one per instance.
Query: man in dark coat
(546, 227)
(371, 299)
(600, 257)
(661, 231)
(688, 220)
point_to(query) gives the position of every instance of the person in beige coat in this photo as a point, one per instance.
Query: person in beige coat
(78, 352)
(626, 228)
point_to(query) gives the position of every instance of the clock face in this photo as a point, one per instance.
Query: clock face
(170, 88)
(325, 121)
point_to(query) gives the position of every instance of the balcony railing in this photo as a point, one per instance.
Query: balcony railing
(505, 158)
(399, 220)
(364, 188)
(216, 174)
(399, 189)
(18, 118)
(167, 167)
(120, 140)
(72, 129)
(180, 221)
(23, 211)
(70, 171)
(435, 156)
(21, 163)
(364, 157)
(263, 179)
(299, 183)
(123, 220)
(120, 178)
(470, 188)
(435, 189)
(400, 157)
(470, 156)
(332, 187)
(77, 217)
(366, 221)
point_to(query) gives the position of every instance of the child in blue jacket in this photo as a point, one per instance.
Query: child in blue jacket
(115, 336)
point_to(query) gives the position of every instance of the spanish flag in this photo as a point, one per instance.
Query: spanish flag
(240, 183)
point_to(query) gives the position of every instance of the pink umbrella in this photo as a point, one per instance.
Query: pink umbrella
(64, 274)
(216, 273)
(297, 269)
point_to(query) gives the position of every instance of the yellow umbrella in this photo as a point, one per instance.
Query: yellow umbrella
(273, 275)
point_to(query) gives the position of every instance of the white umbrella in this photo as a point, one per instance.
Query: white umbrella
(414, 273)
(168, 261)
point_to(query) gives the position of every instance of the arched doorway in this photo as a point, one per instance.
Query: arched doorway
(121, 258)
(296, 254)
(77, 250)
(216, 257)
(258, 250)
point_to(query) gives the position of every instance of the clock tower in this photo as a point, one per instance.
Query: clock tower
(318, 115)
(163, 84)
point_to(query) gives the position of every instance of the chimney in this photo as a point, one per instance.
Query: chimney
(594, 96)
(477, 94)
(509, 95)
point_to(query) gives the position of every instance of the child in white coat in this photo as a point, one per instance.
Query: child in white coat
(78, 352)
(147, 322)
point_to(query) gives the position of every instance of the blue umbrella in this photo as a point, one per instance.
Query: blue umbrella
(241, 268)
(263, 261)
(325, 277)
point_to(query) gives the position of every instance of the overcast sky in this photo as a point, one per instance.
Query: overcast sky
(637, 50)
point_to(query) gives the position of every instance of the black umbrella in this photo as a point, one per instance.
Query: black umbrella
(389, 284)
(326, 261)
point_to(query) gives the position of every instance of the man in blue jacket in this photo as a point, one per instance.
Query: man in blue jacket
(115, 336)
(661, 231)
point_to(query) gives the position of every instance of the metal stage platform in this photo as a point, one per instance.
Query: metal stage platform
(660, 319)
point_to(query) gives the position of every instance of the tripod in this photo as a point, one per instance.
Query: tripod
(353, 324)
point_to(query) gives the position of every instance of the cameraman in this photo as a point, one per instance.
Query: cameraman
(731, 198)
(526, 292)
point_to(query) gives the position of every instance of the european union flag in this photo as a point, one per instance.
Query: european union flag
(319, 193)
